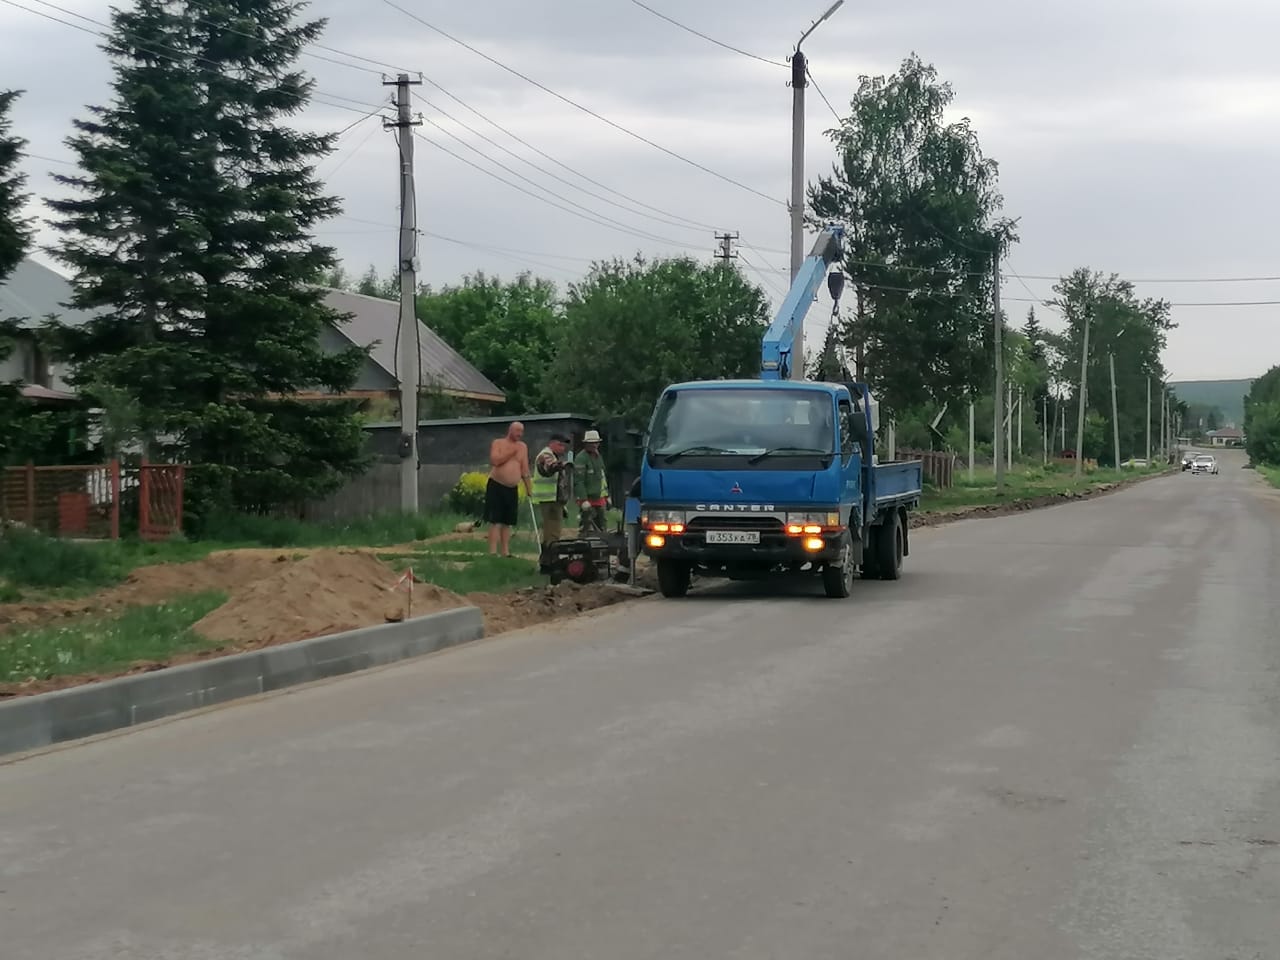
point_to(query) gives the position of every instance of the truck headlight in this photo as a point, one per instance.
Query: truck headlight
(663, 521)
(799, 524)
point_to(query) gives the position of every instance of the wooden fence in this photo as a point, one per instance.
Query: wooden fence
(938, 466)
(84, 501)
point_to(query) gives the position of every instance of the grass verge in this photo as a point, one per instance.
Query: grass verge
(1021, 483)
(1271, 473)
(106, 644)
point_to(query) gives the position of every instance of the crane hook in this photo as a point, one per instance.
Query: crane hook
(835, 285)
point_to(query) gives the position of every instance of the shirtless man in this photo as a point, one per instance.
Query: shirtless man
(509, 462)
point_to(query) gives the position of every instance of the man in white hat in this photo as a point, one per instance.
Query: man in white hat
(590, 485)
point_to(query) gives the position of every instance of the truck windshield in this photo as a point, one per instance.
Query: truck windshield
(733, 422)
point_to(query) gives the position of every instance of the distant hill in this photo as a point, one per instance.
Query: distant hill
(1227, 395)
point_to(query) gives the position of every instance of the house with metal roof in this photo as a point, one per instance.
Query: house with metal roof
(372, 324)
(34, 292)
(31, 294)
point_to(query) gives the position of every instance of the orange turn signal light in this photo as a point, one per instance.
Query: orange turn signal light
(814, 544)
(656, 541)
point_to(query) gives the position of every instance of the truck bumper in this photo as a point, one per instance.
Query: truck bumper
(770, 552)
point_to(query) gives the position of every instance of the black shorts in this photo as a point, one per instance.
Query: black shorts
(501, 504)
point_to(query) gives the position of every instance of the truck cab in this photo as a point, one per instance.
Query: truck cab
(753, 478)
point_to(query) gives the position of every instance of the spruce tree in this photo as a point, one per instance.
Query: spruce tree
(1038, 355)
(191, 234)
(15, 237)
(15, 230)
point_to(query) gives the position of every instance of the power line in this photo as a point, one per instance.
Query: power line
(357, 122)
(573, 203)
(37, 156)
(578, 106)
(351, 153)
(560, 163)
(515, 186)
(764, 278)
(157, 49)
(225, 29)
(546, 172)
(698, 33)
(813, 80)
(512, 250)
(498, 251)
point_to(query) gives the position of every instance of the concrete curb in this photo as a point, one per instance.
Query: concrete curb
(29, 723)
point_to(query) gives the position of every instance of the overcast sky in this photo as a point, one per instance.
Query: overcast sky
(1135, 136)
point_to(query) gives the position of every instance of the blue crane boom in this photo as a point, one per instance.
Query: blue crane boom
(778, 343)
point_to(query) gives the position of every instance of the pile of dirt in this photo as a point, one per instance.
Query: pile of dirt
(225, 572)
(535, 605)
(327, 591)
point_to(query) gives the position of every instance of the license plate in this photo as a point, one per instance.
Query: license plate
(733, 536)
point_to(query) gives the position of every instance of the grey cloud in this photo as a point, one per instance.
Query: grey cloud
(1139, 136)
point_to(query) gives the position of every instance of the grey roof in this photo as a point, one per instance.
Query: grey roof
(33, 291)
(373, 322)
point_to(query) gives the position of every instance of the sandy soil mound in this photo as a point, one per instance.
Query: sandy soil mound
(225, 572)
(324, 592)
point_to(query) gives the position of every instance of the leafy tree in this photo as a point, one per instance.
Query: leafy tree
(1134, 330)
(632, 328)
(336, 278)
(192, 235)
(505, 330)
(922, 206)
(372, 285)
(1262, 418)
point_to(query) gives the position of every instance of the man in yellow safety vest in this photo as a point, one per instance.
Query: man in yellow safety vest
(591, 485)
(552, 480)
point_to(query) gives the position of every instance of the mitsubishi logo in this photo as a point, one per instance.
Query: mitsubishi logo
(735, 488)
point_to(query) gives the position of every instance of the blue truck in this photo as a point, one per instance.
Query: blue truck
(754, 479)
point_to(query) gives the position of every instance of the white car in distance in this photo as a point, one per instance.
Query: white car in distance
(1204, 464)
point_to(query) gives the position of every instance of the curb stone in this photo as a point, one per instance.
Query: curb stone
(41, 720)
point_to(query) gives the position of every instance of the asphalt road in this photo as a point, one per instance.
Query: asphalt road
(1057, 737)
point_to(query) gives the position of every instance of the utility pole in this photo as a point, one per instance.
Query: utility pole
(1115, 417)
(1164, 423)
(1019, 421)
(1044, 425)
(999, 391)
(725, 249)
(799, 81)
(971, 441)
(1083, 395)
(1008, 426)
(1148, 420)
(407, 341)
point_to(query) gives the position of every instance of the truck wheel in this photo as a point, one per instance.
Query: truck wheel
(889, 548)
(674, 578)
(868, 568)
(837, 579)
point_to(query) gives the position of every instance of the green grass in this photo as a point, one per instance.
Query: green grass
(385, 529)
(1271, 473)
(106, 644)
(481, 574)
(1022, 483)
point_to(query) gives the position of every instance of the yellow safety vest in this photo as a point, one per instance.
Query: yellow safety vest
(544, 488)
